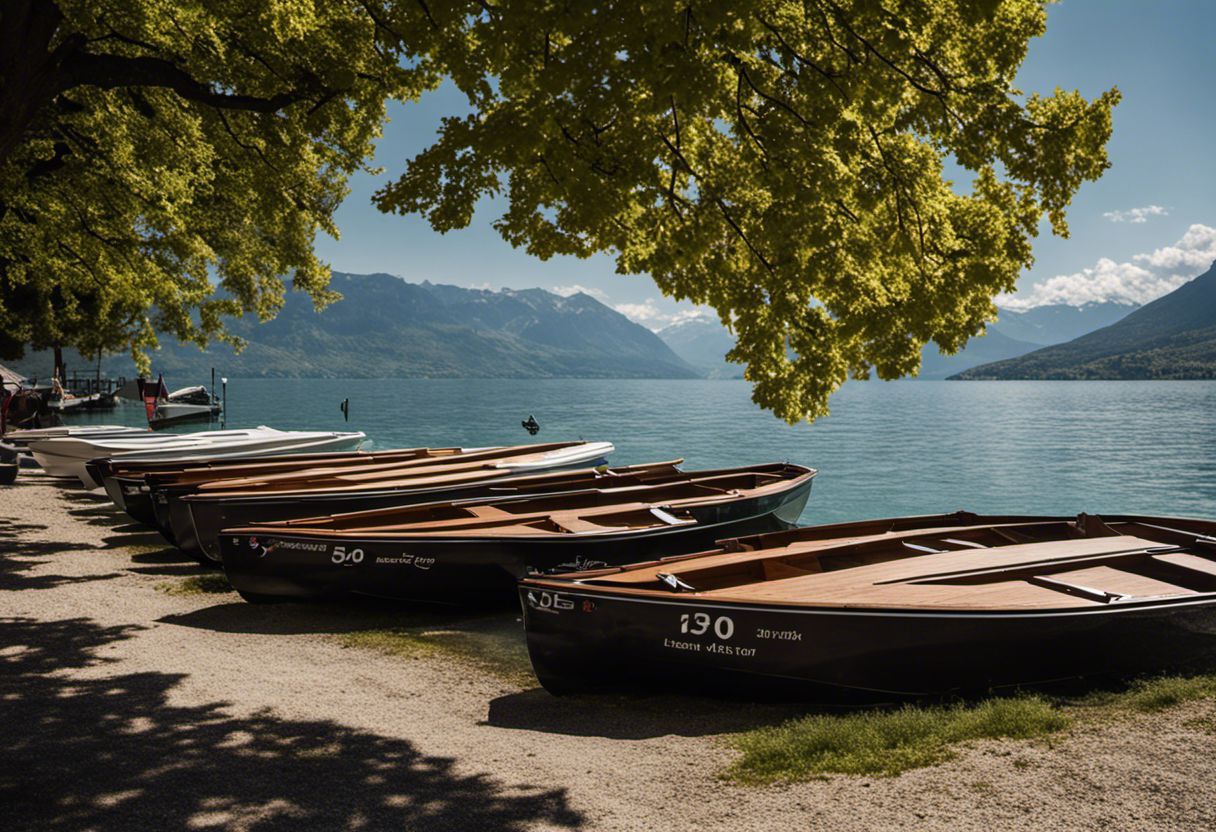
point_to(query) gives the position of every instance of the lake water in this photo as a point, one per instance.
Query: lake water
(896, 448)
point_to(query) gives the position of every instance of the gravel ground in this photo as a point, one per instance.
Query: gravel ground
(123, 706)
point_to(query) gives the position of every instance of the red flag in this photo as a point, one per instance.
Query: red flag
(6, 398)
(153, 395)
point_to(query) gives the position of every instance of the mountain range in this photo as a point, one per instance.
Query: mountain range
(385, 327)
(1172, 337)
(703, 342)
(1017, 332)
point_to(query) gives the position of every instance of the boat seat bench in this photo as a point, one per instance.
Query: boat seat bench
(1074, 572)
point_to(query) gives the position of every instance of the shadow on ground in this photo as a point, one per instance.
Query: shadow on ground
(100, 515)
(19, 556)
(632, 717)
(493, 639)
(347, 616)
(113, 753)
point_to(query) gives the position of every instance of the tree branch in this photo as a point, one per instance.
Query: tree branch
(112, 71)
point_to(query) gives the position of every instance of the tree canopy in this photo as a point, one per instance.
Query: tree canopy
(782, 162)
(164, 164)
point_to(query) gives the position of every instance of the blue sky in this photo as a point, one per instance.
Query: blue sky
(1146, 226)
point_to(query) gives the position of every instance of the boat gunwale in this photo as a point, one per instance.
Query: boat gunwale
(576, 582)
(147, 468)
(479, 459)
(255, 496)
(780, 487)
(699, 600)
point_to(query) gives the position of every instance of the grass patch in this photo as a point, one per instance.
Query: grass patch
(885, 743)
(1150, 695)
(1206, 724)
(481, 644)
(210, 584)
(388, 641)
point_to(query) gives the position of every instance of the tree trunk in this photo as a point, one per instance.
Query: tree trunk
(60, 370)
(28, 67)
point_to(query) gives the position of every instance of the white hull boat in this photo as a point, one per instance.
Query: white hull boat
(66, 457)
(190, 404)
(170, 413)
(23, 438)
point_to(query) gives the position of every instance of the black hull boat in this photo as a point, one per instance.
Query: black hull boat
(146, 490)
(915, 607)
(195, 517)
(196, 520)
(473, 552)
(127, 482)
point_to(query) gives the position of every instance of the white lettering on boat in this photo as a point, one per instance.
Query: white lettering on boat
(345, 558)
(698, 623)
(730, 650)
(417, 561)
(682, 645)
(579, 564)
(778, 635)
(301, 545)
(265, 547)
(544, 601)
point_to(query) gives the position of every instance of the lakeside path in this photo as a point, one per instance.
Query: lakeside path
(125, 706)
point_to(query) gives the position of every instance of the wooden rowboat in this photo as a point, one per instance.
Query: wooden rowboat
(149, 492)
(195, 514)
(473, 551)
(127, 483)
(69, 456)
(922, 605)
(198, 519)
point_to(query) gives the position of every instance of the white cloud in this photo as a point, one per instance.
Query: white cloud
(574, 289)
(1137, 215)
(1192, 254)
(1146, 278)
(648, 313)
(651, 316)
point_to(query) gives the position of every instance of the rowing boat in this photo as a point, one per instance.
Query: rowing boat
(472, 551)
(910, 606)
(258, 490)
(195, 513)
(129, 483)
(68, 456)
(201, 539)
(23, 437)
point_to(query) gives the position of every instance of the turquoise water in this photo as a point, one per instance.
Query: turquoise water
(887, 449)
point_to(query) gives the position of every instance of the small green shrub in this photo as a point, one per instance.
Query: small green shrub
(213, 583)
(885, 743)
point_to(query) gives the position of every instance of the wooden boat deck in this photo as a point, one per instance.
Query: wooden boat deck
(336, 462)
(456, 475)
(601, 510)
(436, 460)
(1033, 564)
